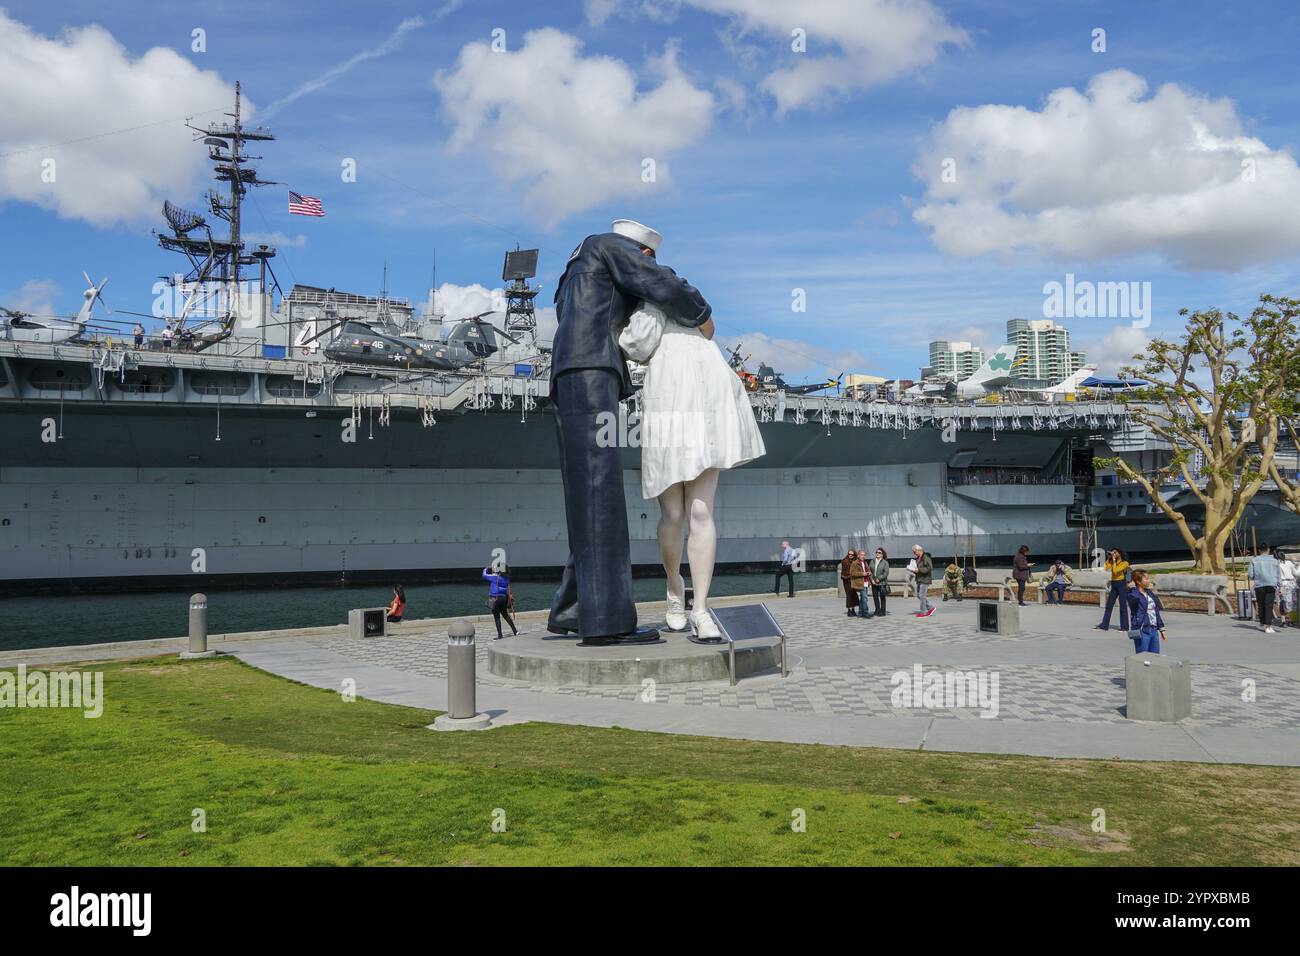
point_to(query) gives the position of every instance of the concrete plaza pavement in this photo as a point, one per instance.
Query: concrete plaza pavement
(1060, 683)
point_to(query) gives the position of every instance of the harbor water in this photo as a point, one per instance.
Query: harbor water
(28, 622)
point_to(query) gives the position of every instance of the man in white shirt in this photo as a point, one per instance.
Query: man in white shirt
(788, 557)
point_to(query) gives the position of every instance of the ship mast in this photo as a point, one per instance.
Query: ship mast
(236, 185)
(214, 260)
(226, 148)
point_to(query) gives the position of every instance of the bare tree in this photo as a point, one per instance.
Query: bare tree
(1217, 397)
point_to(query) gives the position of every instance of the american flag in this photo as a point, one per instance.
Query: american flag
(301, 205)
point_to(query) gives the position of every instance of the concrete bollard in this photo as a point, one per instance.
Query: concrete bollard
(462, 711)
(1157, 688)
(198, 646)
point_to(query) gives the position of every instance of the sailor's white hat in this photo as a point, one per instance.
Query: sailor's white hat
(641, 233)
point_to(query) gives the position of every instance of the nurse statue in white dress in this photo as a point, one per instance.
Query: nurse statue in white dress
(696, 421)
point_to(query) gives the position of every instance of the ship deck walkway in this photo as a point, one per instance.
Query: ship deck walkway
(468, 387)
(1061, 683)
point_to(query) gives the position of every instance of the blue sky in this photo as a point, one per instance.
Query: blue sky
(759, 195)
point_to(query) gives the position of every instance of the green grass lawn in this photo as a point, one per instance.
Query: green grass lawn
(289, 774)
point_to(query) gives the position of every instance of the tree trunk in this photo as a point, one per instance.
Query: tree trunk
(1209, 553)
(1221, 516)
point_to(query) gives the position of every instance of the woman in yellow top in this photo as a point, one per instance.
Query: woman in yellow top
(1117, 565)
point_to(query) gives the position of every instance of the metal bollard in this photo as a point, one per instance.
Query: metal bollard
(198, 646)
(460, 670)
(462, 712)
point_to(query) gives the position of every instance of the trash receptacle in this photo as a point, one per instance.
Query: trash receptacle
(998, 617)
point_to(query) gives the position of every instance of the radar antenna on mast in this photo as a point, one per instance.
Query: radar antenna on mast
(181, 220)
(519, 267)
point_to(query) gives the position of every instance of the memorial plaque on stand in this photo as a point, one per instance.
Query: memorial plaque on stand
(745, 622)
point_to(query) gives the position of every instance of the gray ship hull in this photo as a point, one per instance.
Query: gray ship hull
(154, 495)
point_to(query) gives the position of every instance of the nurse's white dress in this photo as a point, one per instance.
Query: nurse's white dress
(695, 413)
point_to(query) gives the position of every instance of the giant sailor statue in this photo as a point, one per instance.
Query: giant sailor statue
(606, 278)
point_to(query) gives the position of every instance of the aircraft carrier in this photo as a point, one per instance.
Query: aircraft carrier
(336, 436)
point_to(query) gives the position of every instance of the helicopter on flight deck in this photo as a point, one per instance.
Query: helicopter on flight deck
(361, 343)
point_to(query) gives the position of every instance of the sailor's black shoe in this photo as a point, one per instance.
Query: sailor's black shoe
(562, 623)
(642, 635)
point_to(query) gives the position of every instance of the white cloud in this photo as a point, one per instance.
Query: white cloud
(980, 336)
(733, 95)
(35, 297)
(851, 45)
(598, 11)
(574, 128)
(83, 83)
(661, 11)
(277, 239)
(389, 44)
(463, 301)
(1108, 172)
(1115, 349)
(547, 320)
(795, 359)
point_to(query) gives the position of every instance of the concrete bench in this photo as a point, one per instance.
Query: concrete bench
(995, 578)
(1089, 579)
(999, 578)
(1083, 581)
(1212, 587)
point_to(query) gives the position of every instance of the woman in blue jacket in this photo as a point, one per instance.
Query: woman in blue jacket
(499, 598)
(1148, 627)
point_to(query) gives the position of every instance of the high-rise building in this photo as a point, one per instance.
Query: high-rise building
(1044, 350)
(957, 359)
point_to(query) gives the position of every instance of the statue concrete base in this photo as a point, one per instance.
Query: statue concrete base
(673, 660)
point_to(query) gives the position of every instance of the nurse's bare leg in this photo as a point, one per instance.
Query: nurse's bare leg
(702, 545)
(672, 529)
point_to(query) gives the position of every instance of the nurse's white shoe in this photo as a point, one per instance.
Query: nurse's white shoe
(675, 616)
(703, 627)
